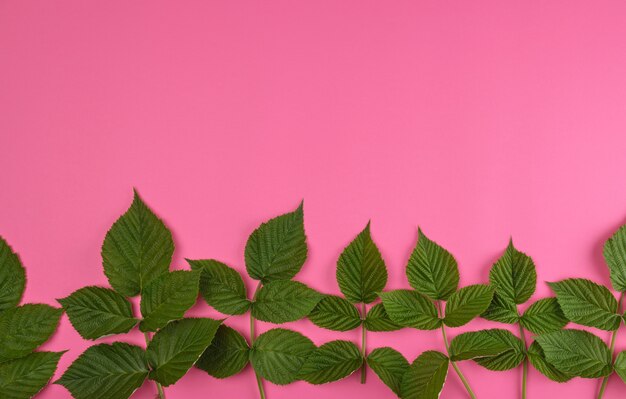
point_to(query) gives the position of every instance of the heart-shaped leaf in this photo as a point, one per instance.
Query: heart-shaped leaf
(615, 255)
(227, 355)
(221, 286)
(283, 301)
(137, 249)
(12, 277)
(425, 377)
(544, 316)
(538, 359)
(377, 319)
(331, 362)
(24, 328)
(335, 313)
(389, 365)
(466, 304)
(23, 378)
(514, 276)
(410, 309)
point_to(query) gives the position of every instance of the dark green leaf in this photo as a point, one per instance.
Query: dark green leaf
(23, 378)
(425, 377)
(331, 362)
(24, 328)
(514, 276)
(176, 348)
(226, 356)
(277, 249)
(106, 372)
(544, 316)
(221, 286)
(278, 355)
(410, 309)
(620, 365)
(377, 319)
(389, 365)
(95, 312)
(361, 270)
(501, 311)
(587, 303)
(615, 255)
(494, 349)
(167, 298)
(335, 313)
(137, 249)
(432, 270)
(538, 360)
(12, 277)
(283, 301)
(577, 353)
(466, 304)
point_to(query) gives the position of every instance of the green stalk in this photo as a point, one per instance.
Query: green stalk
(363, 351)
(454, 365)
(605, 380)
(525, 362)
(160, 392)
(259, 381)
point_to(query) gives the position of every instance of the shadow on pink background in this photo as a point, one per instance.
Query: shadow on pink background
(474, 121)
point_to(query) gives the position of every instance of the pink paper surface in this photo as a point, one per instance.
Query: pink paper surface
(476, 121)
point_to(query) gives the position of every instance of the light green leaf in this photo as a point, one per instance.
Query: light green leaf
(432, 270)
(221, 286)
(538, 360)
(178, 346)
(544, 316)
(12, 277)
(377, 319)
(23, 378)
(615, 255)
(466, 304)
(587, 303)
(24, 328)
(137, 249)
(494, 349)
(283, 301)
(501, 311)
(277, 249)
(95, 312)
(410, 309)
(106, 372)
(335, 313)
(389, 365)
(620, 365)
(425, 377)
(514, 276)
(577, 353)
(167, 298)
(226, 356)
(331, 362)
(278, 355)
(361, 270)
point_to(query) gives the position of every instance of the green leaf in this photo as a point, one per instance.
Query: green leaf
(178, 346)
(331, 362)
(227, 355)
(283, 301)
(577, 353)
(425, 377)
(466, 304)
(137, 249)
(106, 372)
(514, 276)
(23, 378)
(12, 277)
(544, 316)
(432, 270)
(620, 365)
(95, 312)
(335, 313)
(278, 355)
(361, 270)
(587, 303)
(24, 328)
(377, 319)
(538, 359)
(494, 349)
(221, 286)
(410, 309)
(389, 365)
(615, 255)
(167, 298)
(501, 311)
(277, 249)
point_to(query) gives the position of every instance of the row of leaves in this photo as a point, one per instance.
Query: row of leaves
(137, 253)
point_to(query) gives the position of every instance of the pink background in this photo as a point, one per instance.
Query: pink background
(476, 121)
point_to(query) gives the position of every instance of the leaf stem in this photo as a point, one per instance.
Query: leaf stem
(525, 362)
(160, 392)
(605, 380)
(259, 381)
(363, 348)
(454, 365)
